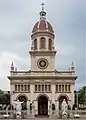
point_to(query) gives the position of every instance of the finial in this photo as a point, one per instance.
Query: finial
(72, 63)
(72, 66)
(42, 6)
(43, 13)
(15, 68)
(12, 66)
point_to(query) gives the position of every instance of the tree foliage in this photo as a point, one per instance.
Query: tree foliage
(4, 98)
(82, 95)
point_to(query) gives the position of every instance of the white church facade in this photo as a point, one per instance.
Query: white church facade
(42, 88)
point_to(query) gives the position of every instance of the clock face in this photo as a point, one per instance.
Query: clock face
(42, 63)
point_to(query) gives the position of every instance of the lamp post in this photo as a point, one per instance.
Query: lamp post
(11, 93)
(77, 100)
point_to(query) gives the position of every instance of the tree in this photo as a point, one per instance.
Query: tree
(1, 96)
(82, 95)
(4, 97)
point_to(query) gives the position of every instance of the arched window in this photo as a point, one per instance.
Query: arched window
(42, 43)
(35, 44)
(50, 44)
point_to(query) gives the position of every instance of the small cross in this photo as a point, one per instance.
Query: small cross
(42, 6)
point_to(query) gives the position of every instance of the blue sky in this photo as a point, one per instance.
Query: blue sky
(17, 18)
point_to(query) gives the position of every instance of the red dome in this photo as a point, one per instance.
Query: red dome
(42, 25)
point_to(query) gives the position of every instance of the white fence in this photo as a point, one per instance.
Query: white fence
(11, 114)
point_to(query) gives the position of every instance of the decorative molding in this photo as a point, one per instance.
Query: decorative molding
(42, 94)
(42, 63)
(22, 94)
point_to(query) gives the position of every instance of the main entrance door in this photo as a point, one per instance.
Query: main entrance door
(42, 105)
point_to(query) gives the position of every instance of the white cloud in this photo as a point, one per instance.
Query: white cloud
(17, 19)
(6, 59)
(65, 49)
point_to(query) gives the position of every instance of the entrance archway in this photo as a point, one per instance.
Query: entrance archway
(24, 99)
(42, 105)
(61, 99)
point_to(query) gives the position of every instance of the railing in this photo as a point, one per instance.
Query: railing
(42, 74)
(55, 114)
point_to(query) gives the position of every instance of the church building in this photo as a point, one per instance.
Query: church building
(42, 87)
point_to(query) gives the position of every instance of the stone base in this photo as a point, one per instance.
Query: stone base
(64, 116)
(70, 115)
(30, 116)
(51, 116)
(18, 116)
(76, 115)
(5, 116)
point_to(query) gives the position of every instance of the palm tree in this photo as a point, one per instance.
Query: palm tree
(82, 95)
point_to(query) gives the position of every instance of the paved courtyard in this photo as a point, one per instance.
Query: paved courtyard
(83, 117)
(43, 119)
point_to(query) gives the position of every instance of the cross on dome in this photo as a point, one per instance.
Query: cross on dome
(42, 13)
(43, 25)
(42, 6)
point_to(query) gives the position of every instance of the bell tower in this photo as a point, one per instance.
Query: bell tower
(42, 48)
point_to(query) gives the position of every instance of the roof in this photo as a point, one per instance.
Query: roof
(42, 25)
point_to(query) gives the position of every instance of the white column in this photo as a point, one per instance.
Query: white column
(12, 88)
(53, 93)
(57, 106)
(32, 92)
(32, 97)
(36, 107)
(72, 90)
(48, 106)
(38, 43)
(47, 40)
(53, 44)
(28, 107)
(57, 109)
(53, 62)
(23, 88)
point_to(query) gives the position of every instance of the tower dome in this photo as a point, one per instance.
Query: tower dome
(42, 25)
(42, 34)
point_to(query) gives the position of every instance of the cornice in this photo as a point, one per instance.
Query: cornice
(40, 53)
(42, 33)
(32, 81)
(43, 77)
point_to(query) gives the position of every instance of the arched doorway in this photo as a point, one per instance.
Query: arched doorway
(61, 99)
(42, 105)
(24, 99)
